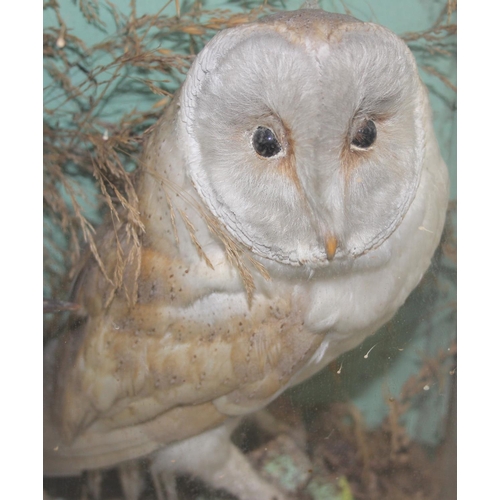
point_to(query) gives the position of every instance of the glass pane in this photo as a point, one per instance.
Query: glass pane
(130, 352)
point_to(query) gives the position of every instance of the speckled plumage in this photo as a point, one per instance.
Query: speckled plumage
(254, 272)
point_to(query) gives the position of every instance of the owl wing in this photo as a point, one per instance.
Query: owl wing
(127, 379)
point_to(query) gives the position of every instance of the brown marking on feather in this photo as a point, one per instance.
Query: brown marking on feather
(287, 165)
(154, 359)
(351, 157)
(300, 27)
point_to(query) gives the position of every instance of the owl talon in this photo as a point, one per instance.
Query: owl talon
(213, 458)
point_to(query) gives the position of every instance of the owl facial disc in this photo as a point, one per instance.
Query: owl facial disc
(307, 144)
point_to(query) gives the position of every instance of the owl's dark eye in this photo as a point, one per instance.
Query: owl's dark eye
(265, 143)
(365, 135)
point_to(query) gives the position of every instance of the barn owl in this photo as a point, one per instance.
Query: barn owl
(292, 196)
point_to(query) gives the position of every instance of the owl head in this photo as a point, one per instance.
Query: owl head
(304, 134)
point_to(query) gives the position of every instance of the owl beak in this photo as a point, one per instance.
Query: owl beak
(330, 247)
